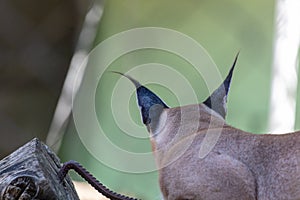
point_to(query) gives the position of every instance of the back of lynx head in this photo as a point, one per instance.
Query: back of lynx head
(200, 157)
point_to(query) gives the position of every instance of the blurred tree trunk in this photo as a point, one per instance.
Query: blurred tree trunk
(74, 76)
(37, 41)
(285, 66)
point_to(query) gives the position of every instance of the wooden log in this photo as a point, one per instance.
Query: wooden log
(31, 172)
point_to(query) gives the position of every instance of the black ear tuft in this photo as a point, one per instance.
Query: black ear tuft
(218, 99)
(146, 99)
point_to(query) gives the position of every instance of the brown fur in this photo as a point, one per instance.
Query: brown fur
(200, 157)
(241, 165)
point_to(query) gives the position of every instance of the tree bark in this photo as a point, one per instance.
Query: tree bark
(31, 172)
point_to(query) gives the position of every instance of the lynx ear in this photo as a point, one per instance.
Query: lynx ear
(218, 99)
(150, 104)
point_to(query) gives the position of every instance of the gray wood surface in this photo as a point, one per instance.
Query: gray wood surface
(30, 172)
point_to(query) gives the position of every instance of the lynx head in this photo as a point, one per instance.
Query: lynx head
(152, 106)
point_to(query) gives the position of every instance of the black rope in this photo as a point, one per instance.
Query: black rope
(77, 167)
